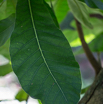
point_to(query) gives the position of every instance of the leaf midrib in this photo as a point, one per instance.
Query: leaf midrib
(34, 28)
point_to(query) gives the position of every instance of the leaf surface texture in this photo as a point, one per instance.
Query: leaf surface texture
(41, 56)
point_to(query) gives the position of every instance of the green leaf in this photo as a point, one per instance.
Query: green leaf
(4, 50)
(72, 35)
(98, 3)
(61, 9)
(6, 28)
(41, 56)
(84, 90)
(80, 12)
(5, 69)
(7, 8)
(77, 41)
(94, 3)
(96, 45)
(39, 102)
(1, 2)
(21, 95)
(47, 0)
(52, 14)
(90, 3)
(66, 23)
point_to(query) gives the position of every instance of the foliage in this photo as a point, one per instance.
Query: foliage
(21, 95)
(6, 28)
(40, 53)
(7, 7)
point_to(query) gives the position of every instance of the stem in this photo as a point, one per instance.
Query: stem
(97, 16)
(88, 53)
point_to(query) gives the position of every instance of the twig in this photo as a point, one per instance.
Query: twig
(88, 53)
(97, 16)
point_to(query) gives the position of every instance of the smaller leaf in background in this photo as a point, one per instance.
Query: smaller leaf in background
(98, 3)
(66, 23)
(5, 69)
(1, 2)
(96, 45)
(21, 95)
(7, 8)
(61, 9)
(90, 3)
(70, 35)
(5, 66)
(6, 28)
(80, 12)
(4, 50)
(94, 3)
(77, 41)
(84, 89)
(39, 102)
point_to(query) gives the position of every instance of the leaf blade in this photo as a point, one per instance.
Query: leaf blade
(21, 95)
(42, 52)
(81, 14)
(7, 8)
(41, 44)
(6, 28)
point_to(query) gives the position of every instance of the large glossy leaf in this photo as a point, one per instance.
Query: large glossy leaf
(96, 45)
(41, 56)
(7, 8)
(21, 95)
(80, 12)
(6, 28)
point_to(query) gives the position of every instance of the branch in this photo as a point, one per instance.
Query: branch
(92, 96)
(88, 53)
(97, 16)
